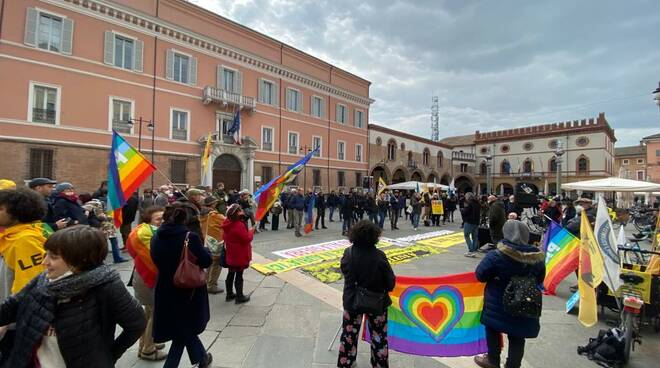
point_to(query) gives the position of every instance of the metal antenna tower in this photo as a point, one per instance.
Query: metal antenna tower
(435, 121)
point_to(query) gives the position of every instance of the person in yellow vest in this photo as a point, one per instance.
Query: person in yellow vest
(22, 251)
(210, 221)
(7, 184)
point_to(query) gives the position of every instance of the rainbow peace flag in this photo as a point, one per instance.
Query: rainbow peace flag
(126, 171)
(270, 192)
(561, 256)
(437, 316)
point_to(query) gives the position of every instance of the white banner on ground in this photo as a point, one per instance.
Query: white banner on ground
(412, 239)
(607, 244)
(313, 248)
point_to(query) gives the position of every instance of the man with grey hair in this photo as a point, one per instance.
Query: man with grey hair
(471, 216)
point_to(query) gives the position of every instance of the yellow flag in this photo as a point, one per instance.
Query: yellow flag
(381, 185)
(205, 158)
(590, 273)
(656, 237)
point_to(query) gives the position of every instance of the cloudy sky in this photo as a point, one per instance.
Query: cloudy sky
(493, 64)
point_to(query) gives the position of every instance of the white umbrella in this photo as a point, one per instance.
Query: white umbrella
(613, 184)
(412, 185)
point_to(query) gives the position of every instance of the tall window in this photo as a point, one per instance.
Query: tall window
(50, 32)
(464, 168)
(181, 63)
(505, 168)
(391, 150)
(440, 159)
(317, 106)
(316, 143)
(266, 174)
(293, 143)
(342, 114)
(121, 115)
(358, 179)
(553, 165)
(41, 163)
(124, 51)
(582, 165)
(181, 68)
(358, 152)
(228, 79)
(426, 157)
(268, 93)
(178, 171)
(528, 167)
(44, 104)
(180, 125)
(640, 175)
(359, 118)
(267, 139)
(483, 168)
(341, 150)
(341, 179)
(316, 177)
(293, 100)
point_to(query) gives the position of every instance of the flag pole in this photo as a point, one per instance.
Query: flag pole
(170, 181)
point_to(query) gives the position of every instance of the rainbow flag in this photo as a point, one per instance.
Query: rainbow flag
(270, 192)
(561, 256)
(309, 215)
(126, 171)
(437, 316)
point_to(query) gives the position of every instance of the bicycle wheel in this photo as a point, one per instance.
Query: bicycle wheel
(627, 326)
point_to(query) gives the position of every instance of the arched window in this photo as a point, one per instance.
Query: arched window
(582, 165)
(553, 165)
(528, 166)
(410, 156)
(440, 158)
(391, 150)
(483, 169)
(505, 167)
(426, 157)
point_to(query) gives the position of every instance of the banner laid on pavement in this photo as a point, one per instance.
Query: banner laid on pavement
(315, 248)
(444, 241)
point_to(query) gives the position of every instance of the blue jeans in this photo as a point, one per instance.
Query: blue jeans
(332, 211)
(471, 234)
(415, 219)
(116, 254)
(381, 218)
(193, 345)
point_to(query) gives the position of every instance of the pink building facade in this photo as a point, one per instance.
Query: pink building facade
(73, 70)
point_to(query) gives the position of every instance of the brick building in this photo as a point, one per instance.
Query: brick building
(73, 70)
(630, 162)
(652, 144)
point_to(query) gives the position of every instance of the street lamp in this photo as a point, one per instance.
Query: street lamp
(656, 95)
(559, 152)
(489, 172)
(306, 150)
(151, 127)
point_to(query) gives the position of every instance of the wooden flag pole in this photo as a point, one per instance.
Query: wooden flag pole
(170, 181)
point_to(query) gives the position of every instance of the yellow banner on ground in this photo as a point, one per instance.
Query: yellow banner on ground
(444, 241)
(330, 272)
(437, 208)
(289, 264)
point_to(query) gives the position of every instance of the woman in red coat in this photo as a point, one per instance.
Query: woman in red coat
(238, 250)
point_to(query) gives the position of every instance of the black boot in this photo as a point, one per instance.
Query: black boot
(240, 297)
(230, 290)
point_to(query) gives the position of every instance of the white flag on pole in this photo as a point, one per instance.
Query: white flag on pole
(621, 239)
(607, 244)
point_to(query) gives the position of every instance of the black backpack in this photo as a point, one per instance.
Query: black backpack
(522, 297)
(606, 350)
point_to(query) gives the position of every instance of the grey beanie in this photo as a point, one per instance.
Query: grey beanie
(516, 232)
(63, 186)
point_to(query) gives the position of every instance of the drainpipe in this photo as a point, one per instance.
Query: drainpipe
(2, 13)
(328, 151)
(279, 108)
(153, 95)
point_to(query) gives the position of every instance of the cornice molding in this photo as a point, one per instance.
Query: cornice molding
(197, 41)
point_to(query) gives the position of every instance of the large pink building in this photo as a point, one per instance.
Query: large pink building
(73, 70)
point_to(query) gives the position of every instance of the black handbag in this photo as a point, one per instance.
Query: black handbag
(223, 256)
(367, 301)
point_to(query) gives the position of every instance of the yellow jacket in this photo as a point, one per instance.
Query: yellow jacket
(22, 251)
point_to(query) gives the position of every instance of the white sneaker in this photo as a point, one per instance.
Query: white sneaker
(470, 255)
(416, 229)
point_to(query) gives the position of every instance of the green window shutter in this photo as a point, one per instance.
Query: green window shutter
(67, 36)
(169, 64)
(138, 64)
(109, 48)
(193, 71)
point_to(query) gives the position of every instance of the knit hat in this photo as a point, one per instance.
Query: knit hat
(516, 232)
(231, 210)
(210, 201)
(59, 188)
(194, 191)
(7, 184)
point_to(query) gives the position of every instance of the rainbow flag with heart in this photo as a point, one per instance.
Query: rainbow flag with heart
(437, 316)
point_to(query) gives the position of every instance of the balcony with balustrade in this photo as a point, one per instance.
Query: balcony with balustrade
(43, 116)
(463, 156)
(228, 98)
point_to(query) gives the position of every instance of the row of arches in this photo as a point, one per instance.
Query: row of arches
(581, 164)
(426, 154)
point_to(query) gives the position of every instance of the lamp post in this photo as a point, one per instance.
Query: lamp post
(559, 152)
(151, 127)
(306, 150)
(489, 173)
(656, 96)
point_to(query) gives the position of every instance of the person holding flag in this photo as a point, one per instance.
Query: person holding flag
(310, 201)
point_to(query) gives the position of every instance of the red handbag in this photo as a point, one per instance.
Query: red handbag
(188, 274)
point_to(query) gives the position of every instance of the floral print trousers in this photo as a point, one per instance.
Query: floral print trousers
(349, 339)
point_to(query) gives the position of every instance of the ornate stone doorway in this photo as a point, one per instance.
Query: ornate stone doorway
(227, 169)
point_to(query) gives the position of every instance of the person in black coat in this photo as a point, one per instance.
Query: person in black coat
(67, 316)
(179, 314)
(365, 266)
(333, 202)
(66, 206)
(394, 210)
(347, 207)
(514, 257)
(128, 213)
(320, 210)
(569, 213)
(496, 219)
(471, 214)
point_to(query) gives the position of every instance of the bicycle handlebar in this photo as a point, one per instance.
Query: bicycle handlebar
(631, 249)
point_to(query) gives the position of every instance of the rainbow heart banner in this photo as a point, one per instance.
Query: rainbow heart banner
(437, 316)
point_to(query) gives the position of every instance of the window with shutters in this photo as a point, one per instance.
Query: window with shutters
(181, 68)
(342, 114)
(230, 80)
(316, 177)
(123, 51)
(121, 113)
(341, 179)
(266, 138)
(268, 92)
(178, 171)
(48, 31)
(266, 174)
(293, 100)
(341, 150)
(316, 143)
(358, 152)
(44, 104)
(317, 106)
(179, 124)
(41, 163)
(359, 118)
(293, 143)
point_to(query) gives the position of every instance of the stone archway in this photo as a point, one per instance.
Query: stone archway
(227, 169)
(416, 176)
(505, 189)
(380, 172)
(399, 176)
(445, 179)
(464, 184)
(432, 178)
